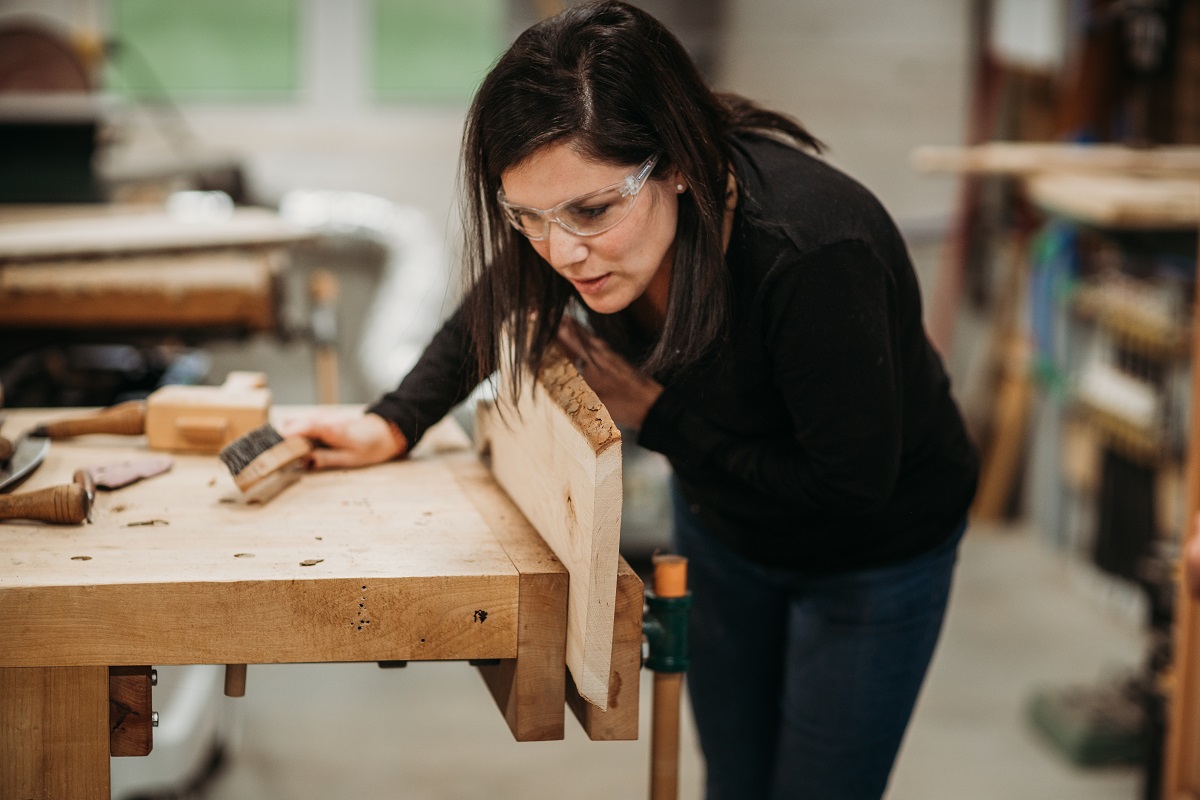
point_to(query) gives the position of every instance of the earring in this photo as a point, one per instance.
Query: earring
(679, 188)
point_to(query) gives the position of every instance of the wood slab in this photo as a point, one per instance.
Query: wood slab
(1023, 158)
(395, 562)
(1119, 201)
(196, 289)
(557, 453)
(139, 231)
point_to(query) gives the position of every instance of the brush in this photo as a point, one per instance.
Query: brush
(263, 456)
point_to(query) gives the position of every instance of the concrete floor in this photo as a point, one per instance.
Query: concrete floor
(1019, 619)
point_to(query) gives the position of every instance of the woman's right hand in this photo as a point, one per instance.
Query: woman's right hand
(345, 438)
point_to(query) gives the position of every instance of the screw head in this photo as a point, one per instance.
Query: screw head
(154, 677)
(154, 719)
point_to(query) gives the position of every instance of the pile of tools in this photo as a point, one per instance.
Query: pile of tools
(180, 419)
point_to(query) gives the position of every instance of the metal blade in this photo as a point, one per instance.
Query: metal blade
(28, 454)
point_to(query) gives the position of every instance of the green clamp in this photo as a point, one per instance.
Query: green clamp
(665, 627)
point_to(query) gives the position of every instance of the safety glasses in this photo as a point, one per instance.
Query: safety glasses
(586, 215)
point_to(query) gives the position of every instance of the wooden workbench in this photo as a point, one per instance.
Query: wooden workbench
(420, 559)
(133, 267)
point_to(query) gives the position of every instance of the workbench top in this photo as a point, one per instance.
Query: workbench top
(396, 561)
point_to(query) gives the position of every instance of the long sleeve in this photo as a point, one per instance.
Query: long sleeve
(830, 334)
(442, 377)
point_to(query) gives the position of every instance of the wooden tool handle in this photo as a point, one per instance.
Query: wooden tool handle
(127, 419)
(282, 455)
(65, 505)
(6, 449)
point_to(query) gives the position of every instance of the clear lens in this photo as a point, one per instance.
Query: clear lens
(527, 221)
(596, 213)
(587, 215)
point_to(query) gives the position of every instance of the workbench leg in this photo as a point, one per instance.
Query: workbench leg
(54, 738)
(530, 688)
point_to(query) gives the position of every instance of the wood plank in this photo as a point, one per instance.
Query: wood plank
(1022, 158)
(528, 689)
(557, 453)
(140, 232)
(1119, 201)
(130, 706)
(54, 733)
(231, 287)
(620, 720)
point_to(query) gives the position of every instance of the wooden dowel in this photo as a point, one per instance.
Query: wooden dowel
(126, 419)
(235, 680)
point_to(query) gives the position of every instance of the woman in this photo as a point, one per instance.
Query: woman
(753, 315)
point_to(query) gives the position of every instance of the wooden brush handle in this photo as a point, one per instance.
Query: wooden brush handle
(127, 419)
(273, 459)
(65, 505)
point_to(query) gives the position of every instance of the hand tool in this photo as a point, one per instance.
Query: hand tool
(114, 476)
(28, 453)
(6, 446)
(264, 463)
(67, 504)
(6, 450)
(196, 419)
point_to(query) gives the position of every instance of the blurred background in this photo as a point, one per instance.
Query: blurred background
(188, 189)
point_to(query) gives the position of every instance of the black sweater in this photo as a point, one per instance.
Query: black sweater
(821, 436)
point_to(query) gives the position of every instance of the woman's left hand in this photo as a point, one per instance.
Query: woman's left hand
(626, 392)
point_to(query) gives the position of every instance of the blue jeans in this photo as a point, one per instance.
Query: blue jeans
(802, 685)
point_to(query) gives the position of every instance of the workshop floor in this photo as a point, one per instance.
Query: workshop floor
(1019, 619)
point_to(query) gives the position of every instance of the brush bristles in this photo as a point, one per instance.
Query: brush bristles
(241, 451)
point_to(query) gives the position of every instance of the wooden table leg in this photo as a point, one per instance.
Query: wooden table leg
(530, 688)
(54, 738)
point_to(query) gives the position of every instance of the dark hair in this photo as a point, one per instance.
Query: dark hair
(616, 84)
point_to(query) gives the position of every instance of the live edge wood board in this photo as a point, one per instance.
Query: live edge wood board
(557, 453)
